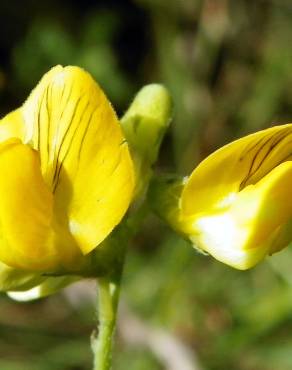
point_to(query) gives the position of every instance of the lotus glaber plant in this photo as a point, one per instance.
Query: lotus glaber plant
(73, 191)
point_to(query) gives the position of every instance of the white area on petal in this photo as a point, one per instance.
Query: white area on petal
(27, 295)
(222, 237)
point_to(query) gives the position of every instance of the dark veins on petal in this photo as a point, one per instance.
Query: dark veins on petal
(266, 146)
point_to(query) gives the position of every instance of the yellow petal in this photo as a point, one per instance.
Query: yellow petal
(266, 205)
(252, 226)
(216, 180)
(12, 125)
(26, 208)
(84, 157)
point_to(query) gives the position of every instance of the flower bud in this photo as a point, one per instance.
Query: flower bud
(236, 205)
(144, 125)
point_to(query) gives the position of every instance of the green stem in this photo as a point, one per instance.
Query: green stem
(145, 122)
(108, 297)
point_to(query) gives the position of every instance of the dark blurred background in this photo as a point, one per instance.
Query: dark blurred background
(228, 66)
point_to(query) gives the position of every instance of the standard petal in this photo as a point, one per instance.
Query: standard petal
(218, 178)
(84, 157)
(26, 208)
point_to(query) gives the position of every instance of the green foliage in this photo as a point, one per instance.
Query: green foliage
(48, 42)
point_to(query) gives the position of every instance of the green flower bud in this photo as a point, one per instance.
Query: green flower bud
(144, 125)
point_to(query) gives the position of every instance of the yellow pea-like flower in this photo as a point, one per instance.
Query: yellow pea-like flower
(236, 204)
(67, 177)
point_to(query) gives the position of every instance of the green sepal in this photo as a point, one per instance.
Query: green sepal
(49, 286)
(17, 280)
(164, 196)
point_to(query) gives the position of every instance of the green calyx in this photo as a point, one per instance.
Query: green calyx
(164, 198)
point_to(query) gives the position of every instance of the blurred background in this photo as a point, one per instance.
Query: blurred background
(228, 66)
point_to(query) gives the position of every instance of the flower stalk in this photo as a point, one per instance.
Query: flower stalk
(144, 125)
(108, 297)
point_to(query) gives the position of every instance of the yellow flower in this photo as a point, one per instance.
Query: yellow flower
(237, 205)
(67, 177)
